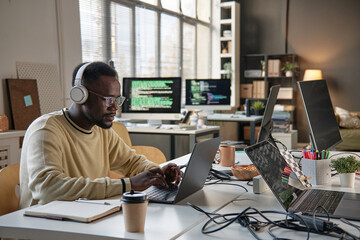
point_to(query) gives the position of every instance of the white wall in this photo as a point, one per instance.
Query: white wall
(38, 31)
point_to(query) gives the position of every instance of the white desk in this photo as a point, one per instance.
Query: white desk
(162, 221)
(192, 134)
(252, 120)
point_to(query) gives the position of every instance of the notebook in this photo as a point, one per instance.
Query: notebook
(79, 211)
(271, 165)
(195, 175)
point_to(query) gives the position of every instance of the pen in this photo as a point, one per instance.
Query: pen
(84, 200)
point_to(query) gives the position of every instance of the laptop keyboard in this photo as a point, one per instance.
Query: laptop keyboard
(159, 193)
(327, 199)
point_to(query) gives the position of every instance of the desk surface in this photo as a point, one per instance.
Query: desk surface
(163, 221)
(144, 129)
(233, 117)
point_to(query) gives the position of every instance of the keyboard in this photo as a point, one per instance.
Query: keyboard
(160, 193)
(327, 199)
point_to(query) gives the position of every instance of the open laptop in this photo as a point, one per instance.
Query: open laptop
(194, 177)
(271, 165)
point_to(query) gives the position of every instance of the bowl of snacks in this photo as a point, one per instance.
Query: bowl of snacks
(244, 172)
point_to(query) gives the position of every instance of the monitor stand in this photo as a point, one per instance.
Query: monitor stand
(312, 145)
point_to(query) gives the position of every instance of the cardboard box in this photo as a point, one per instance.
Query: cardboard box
(274, 68)
(246, 90)
(285, 93)
(247, 132)
(289, 139)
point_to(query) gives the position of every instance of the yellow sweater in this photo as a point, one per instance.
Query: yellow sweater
(61, 161)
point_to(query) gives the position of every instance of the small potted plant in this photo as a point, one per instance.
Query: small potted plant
(258, 107)
(227, 68)
(346, 167)
(289, 68)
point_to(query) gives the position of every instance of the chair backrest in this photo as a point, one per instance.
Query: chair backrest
(152, 153)
(122, 131)
(9, 179)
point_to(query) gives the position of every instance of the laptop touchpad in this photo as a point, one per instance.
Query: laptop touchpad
(349, 205)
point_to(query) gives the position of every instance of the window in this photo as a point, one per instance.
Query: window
(150, 38)
(170, 46)
(146, 59)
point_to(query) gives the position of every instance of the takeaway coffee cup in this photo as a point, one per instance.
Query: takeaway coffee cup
(226, 156)
(134, 205)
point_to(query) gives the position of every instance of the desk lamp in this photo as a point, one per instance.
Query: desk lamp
(312, 74)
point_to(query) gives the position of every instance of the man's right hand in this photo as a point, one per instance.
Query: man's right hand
(142, 181)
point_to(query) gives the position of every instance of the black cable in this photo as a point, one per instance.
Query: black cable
(220, 182)
(250, 222)
(283, 145)
(349, 223)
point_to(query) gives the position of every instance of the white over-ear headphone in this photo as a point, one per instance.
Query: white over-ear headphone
(78, 93)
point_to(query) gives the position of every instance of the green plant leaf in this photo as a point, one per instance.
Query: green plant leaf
(346, 164)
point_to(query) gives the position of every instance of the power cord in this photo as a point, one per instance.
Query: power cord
(218, 177)
(285, 149)
(221, 181)
(249, 218)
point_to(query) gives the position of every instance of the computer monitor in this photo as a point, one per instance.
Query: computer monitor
(266, 123)
(208, 94)
(152, 98)
(324, 128)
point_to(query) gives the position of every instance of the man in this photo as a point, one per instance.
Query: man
(68, 154)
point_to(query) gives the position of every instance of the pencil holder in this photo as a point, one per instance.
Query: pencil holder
(319, 170)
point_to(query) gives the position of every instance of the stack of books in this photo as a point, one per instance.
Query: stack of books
(281, 121)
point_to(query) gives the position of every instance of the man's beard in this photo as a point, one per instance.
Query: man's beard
(99, 123)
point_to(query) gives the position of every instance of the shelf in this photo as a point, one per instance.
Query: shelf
(223, 39)
(226, 21)
(226, 55)
(281, 77)
(229, 41)
(264, 63)
(226, 5)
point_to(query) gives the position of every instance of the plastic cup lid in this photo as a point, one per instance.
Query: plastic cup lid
(134, 197)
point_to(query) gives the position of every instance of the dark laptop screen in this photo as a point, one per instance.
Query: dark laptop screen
(273, 168)
(319, 111)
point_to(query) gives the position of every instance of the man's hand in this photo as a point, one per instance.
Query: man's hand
(148, 178)
(173, 174)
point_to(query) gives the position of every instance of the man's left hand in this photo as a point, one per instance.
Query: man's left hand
(173, 174)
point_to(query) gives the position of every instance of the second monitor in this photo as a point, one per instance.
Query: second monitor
(208, 94)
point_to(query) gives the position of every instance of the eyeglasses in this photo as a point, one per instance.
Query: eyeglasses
(109, 101)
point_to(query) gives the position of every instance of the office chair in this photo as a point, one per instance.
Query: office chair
(122, 131)
(9, 180)
(152, 153)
